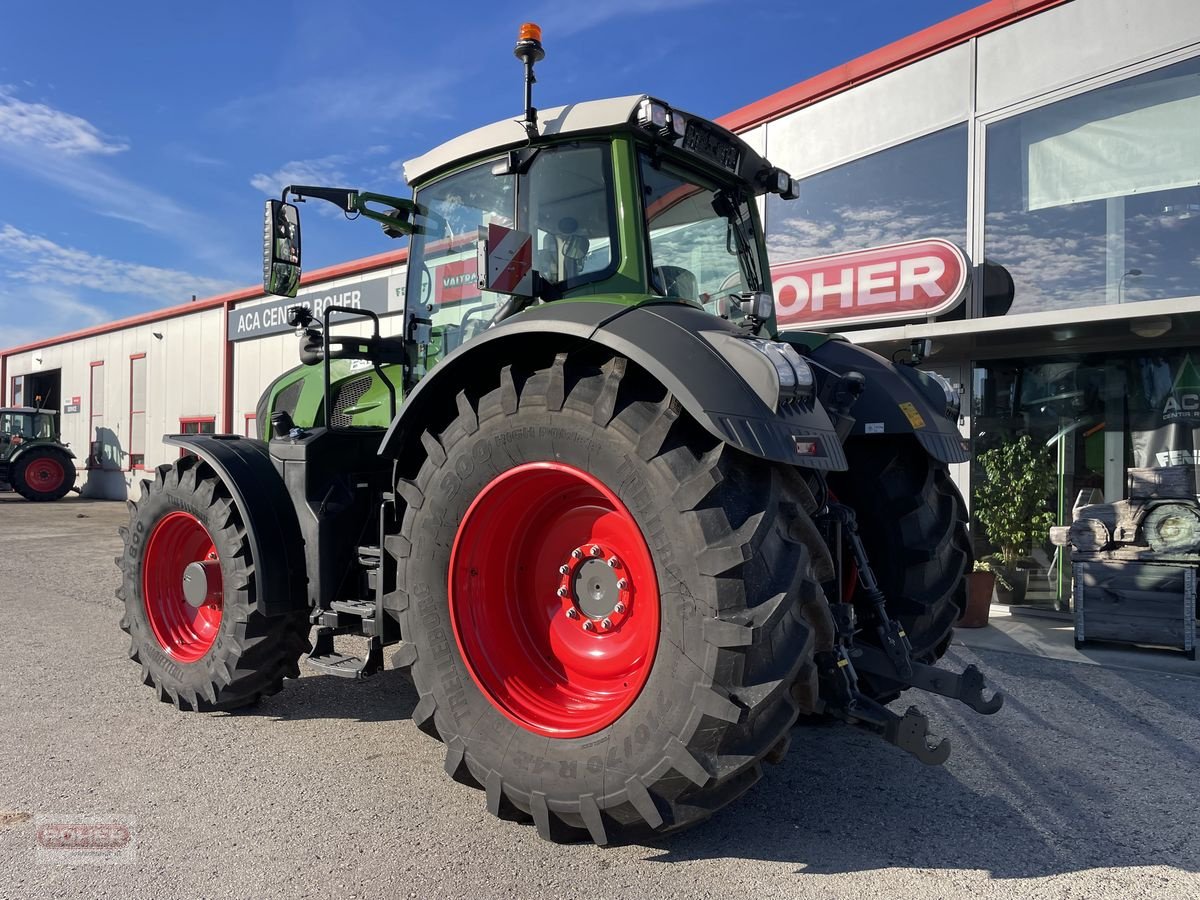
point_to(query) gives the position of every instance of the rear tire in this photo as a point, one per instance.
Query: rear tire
(43, 474)
(225, 652)
(913, 524)
(720, 586)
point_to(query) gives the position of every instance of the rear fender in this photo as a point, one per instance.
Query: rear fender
(701, 359)
(897, 400)
(261, 498)
(25, 447)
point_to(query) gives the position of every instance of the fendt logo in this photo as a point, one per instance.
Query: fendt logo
(893, 282)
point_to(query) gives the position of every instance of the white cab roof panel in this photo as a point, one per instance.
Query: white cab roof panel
(594, 115)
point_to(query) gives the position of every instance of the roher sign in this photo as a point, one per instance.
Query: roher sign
(894, 282)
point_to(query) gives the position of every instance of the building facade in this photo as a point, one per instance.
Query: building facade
(1055, 142)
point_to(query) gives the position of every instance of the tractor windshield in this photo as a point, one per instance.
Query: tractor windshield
(564, 200)
(26, 425)
(703, 242)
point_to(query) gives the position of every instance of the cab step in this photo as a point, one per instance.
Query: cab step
(325, 658)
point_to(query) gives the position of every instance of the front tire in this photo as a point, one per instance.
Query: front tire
(663, 711)
(192, 605)
(43, 474)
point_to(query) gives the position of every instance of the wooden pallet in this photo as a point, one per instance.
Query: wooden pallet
(1135, 603)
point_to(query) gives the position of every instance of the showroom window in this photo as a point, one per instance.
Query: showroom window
(1095, 200)
(912, 191)
(1060, 431)
(18, 390)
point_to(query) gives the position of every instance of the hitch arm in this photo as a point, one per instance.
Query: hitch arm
(967, 687)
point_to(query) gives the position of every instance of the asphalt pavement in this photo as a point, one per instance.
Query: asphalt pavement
(1083, 786)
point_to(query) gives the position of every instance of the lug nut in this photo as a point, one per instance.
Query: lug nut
(577, 553)
(606, 624)
(619, 608)
(622, 584)
(596, 551)
(588, 626)
(564, 569)
(613, 562)
(562, 592)
(572, 614)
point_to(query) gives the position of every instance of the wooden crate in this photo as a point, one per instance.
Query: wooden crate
(1135, 603)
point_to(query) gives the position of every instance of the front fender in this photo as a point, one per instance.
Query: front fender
(261, 498)
(897, 400)
(694, 355)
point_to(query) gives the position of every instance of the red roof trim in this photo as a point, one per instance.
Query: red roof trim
(972, 23)
(354, 267)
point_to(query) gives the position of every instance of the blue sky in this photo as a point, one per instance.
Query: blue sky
(138, 140)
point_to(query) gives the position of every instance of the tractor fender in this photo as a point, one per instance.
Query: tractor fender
(896, 400)
(25, 446)
(722, 382)
(245, 466)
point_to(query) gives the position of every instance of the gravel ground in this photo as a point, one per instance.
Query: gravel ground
(1081, 787)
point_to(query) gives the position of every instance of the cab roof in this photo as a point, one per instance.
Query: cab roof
(28, 410)
(590, 117)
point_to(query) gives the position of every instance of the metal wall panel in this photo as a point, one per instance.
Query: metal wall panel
(183, 378)
(923, 97)
(1076, 41)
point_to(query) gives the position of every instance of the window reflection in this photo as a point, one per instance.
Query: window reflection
(1091, 419)
(909, 192)
(1095, 199)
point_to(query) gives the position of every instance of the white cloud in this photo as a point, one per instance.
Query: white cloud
(353, 99)
(57, 311)
(327, 170)
(44, 127)
(36, 260)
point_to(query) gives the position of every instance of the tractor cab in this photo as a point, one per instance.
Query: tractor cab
(25, 424)
(624, 201)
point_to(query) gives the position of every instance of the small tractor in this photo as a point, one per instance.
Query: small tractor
(33, 461)
(621, 531)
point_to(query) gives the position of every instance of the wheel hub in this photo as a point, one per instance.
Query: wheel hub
(595, 588)
(202, 582)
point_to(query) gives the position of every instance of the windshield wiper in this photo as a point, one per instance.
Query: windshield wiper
(732, 207)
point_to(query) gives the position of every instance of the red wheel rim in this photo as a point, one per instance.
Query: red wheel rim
(180, 555)
(554, 600)
(45, 475)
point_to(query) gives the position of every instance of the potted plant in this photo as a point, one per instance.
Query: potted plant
(1011, 505)
(983, 580)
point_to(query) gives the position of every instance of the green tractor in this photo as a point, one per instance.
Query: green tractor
(620, 531)
(33, 461)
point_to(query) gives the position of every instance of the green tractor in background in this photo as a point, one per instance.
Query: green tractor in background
(620, 530)
(33, 461)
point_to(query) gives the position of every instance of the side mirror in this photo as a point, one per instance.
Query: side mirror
(281, 249)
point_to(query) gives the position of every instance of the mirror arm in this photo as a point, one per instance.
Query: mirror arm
(398, 220)
(342, 198)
